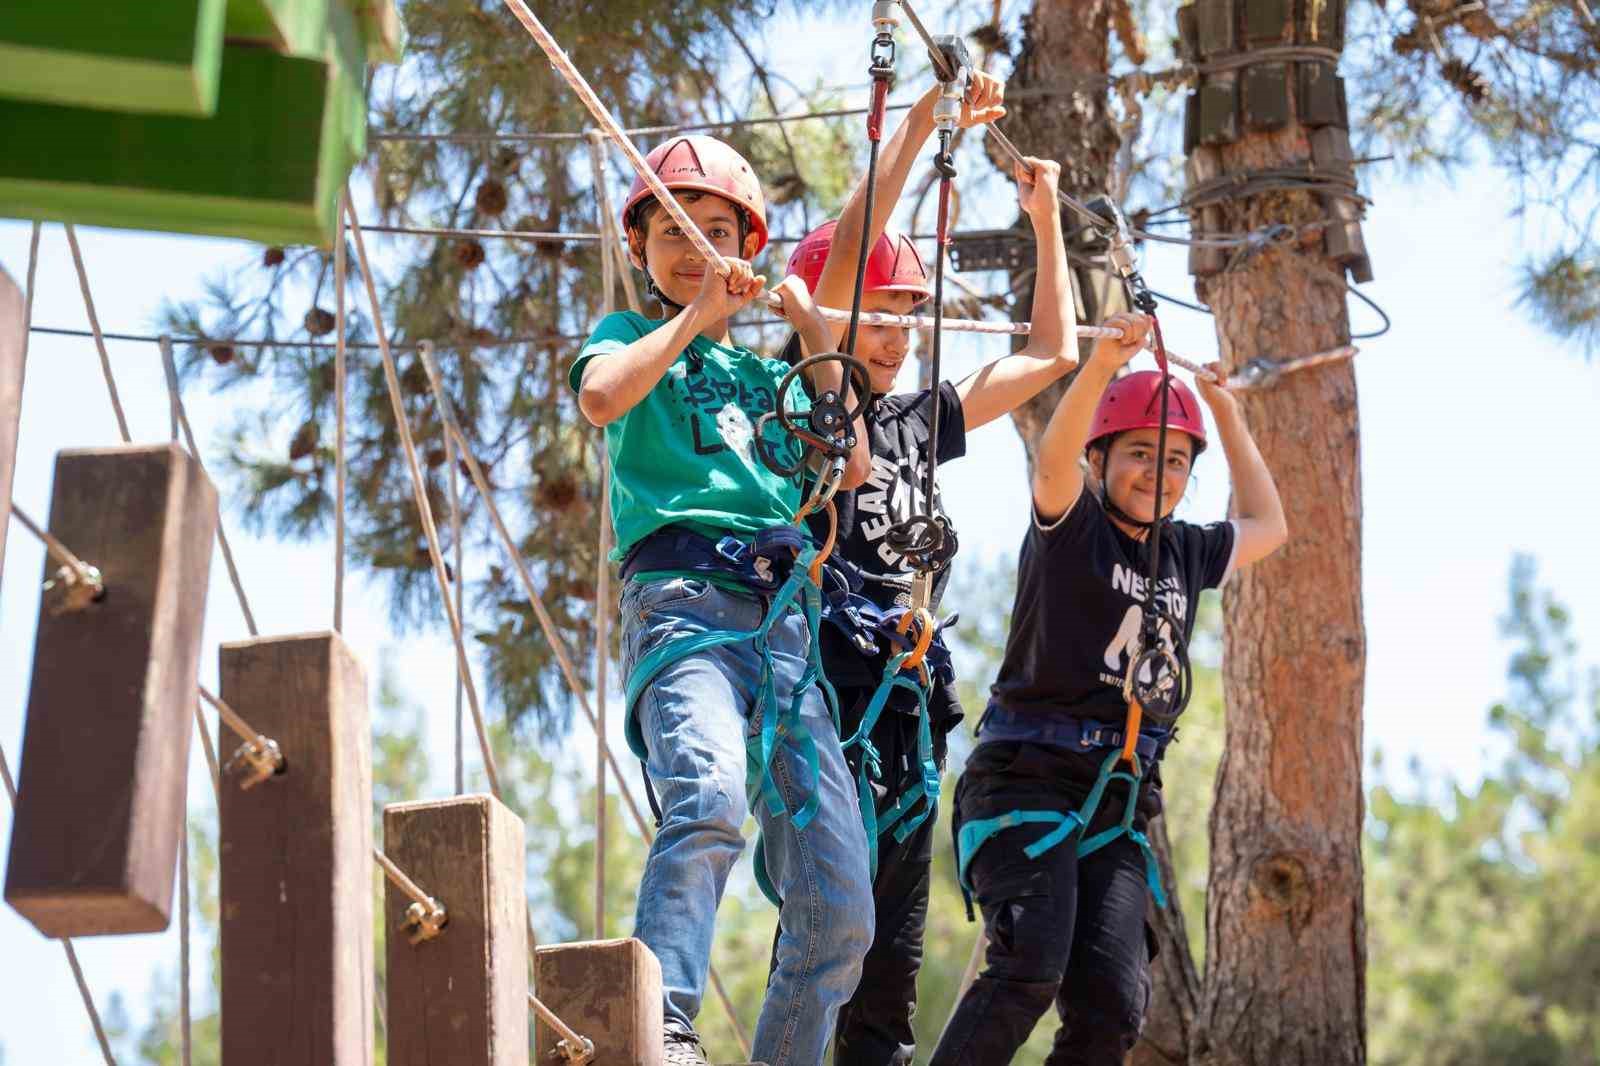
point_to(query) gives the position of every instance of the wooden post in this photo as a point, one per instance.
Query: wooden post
(13, 353)
(296, 859)
(105, 754)
(606, 990)
(460, 998)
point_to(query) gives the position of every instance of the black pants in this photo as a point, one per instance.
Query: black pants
(1062, 930)
(874, 1027)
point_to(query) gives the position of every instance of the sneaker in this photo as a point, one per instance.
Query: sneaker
(683, 1049)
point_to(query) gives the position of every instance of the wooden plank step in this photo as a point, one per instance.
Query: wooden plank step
(105, 752)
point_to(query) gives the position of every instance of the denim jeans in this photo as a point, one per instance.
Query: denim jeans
(1061, 929)
(695, 717)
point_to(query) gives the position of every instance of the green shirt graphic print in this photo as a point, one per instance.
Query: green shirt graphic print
(686, 453)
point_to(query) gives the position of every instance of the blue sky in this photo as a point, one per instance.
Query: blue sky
(1476, 432)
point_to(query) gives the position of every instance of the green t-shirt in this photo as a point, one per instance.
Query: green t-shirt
(686, 452)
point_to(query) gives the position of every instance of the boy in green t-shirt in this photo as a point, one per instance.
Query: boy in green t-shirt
(723, 687)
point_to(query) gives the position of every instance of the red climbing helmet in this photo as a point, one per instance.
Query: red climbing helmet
(703, 164)
(893, 265)
(1133, 401)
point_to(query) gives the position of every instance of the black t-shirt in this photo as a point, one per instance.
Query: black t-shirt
(898, 427)
(1080, 585)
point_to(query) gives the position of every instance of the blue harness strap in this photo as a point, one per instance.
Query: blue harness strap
(924, 793)
(772, 723)
(975, 834)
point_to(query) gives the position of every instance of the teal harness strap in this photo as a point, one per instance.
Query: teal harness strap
(926, 791)
(974, 835)
(773, 723)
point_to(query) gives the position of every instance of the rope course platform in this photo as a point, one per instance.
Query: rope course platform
(130, 536)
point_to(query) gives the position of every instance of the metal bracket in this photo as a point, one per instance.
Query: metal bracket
(425, 922)
(991, 249)
(262, 759)
(79, 588)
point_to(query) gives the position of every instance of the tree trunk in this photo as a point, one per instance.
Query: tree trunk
(1285, 959)
(1065, 42)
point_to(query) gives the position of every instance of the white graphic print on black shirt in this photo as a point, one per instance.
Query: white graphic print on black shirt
(898, 428)
(1076, 621)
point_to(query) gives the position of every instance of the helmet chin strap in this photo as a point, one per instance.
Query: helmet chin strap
(1106, 502)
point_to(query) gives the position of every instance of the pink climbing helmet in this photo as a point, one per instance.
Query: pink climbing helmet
(703, 164)
(893, 265)
(1133, 401)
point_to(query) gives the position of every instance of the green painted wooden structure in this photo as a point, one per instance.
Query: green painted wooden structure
(264, 159)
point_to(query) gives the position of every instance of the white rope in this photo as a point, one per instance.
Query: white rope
(66, 943)
(461, 585)
(340, 315)
(420, 494)
(55, 548)
(99, 338)
(180, 420)
(602, 583)
(576, 1049)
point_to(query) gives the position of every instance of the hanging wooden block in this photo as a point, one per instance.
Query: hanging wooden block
(1204, 165)
(13, 345)
(123, 55)
(1216, 22)
(1264, 92)
(1219, 110)
(105, 752)
(460, 997)
(1191, 122)
(296, 859)
(1330, 150)
(606, 990)
(1343, 240)
(1268, 22)
(268, 166)
(1319, 94)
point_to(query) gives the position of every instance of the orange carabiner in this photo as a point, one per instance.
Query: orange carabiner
(1130, 740)
(924, 620)
(827, 547)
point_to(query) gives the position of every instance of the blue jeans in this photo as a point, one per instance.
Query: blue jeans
(695, 717)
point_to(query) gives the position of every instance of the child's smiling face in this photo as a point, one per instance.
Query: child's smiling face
(676, 267)
(884, 348)
(1128, 471)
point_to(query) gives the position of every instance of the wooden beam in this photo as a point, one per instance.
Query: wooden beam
(460, 998)
(296, 859)
(162, 58)
(105, 753)
(13, 356)
(606, 990)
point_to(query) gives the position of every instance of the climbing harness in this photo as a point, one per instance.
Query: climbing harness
(771, 562)
(1157, 682)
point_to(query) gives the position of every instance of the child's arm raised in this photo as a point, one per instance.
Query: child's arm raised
(1057, 479)
(836, 286)
(1052, 348)
(617, 380)
(1257, 510)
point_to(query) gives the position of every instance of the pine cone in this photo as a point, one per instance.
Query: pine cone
(435, 458)
(305, 441)
(272, 257)
(221, 354)
(470, 255)
(491, 197)
(320, 323)
(1474, 87)
(1409, 42)
(786, 188)
(557, 494)
(991, 38)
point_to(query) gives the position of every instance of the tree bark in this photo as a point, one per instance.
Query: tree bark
(1285, 959)
(1065, 43)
